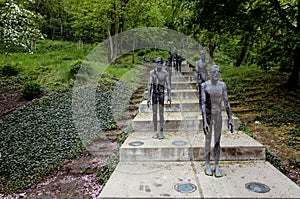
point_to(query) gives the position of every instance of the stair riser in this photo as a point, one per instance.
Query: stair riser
(178, 125)
(175, 86)
(180, 95)
(174, 107)
(183, 78)
(189, 154)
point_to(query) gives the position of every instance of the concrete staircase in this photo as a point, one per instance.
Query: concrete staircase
(174, 167)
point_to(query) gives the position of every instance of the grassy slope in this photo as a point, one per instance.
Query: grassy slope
(39, 136)
(270, 112)
(49, 66)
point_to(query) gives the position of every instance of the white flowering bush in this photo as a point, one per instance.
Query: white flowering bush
(18, 26)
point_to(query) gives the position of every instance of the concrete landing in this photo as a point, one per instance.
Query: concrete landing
(236, 146)
(159, 179)
(175, 121)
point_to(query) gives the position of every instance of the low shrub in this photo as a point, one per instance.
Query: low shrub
(74, 69)
(9, 70)
(31, 90)
(275, 161)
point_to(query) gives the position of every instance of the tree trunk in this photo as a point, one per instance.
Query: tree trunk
(242, 55)
(61, 28)
(122, 18)
(112, 32)
(293, 81)
(212, 47)
(121, 24)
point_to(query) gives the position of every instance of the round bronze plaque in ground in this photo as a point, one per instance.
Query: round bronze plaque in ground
(136, 143)
(179, 143)
(257, 187)
(185, 187)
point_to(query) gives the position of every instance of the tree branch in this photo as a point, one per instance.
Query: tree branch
(283, 15)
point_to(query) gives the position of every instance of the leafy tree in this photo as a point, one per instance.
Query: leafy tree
(18, 26)
(57, 24)
(144, 14)
(288, 13)
(267, 31)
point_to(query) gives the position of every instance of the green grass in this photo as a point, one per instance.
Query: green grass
(50, 65)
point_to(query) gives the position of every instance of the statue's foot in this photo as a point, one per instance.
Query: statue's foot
(218, 173)
(161, 135)
(155, 135)
(208, 171)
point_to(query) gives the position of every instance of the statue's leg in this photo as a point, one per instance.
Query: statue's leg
(180, 66)
(154, 110)
(170, 74)
(208, 170)
(161, 115)
(217, 132)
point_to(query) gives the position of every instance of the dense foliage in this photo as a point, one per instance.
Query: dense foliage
(19, 27)
(35, 139)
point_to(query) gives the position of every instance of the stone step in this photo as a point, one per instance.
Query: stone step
(188, 146)
(255, 93)
(183, 85)
(182, 78)
(176, 121)
(234, 103)
(179, 94)
(140, 180)
(238, 110)
(188, 73)
(177, 105)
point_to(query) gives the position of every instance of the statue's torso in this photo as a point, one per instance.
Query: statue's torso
(159, 77)
(214, 95)
(158, 80)
(201, 69)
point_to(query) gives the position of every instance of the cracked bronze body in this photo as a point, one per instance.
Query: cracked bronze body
(159, 78)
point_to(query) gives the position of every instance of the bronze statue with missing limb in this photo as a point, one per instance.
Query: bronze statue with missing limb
(213, 92)
(159, 77)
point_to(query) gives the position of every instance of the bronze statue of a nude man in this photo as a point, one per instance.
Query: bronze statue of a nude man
(213, 92)
(159, 77)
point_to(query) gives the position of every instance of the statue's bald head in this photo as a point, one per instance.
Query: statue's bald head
(215, 68)
(215, 72)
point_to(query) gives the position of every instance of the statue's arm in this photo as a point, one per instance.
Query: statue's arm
(168, 86)
(150, 87)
